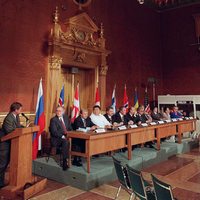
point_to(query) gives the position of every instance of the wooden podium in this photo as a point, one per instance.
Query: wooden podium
(21, 164)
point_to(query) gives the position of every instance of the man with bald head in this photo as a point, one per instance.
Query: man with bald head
(59, 125)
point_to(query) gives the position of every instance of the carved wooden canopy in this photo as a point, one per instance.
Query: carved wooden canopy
(79, 42)
(76, 42)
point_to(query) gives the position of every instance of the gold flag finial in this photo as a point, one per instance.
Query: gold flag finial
(101, 31)
(56, 15)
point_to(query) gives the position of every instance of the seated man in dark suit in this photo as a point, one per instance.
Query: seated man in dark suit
(10, 123)
(109, 114)
(131, 115)
(155, 115)
(83, 122)
(142, 116)
(59, 125)
(120, 117)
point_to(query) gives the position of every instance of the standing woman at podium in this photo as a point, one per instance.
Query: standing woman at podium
(10, 123)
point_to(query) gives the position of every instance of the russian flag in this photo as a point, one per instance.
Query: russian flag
(39, 120)
(61, 99)
(114, 100)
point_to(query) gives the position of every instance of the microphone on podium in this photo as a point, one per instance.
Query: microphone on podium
(27, 119)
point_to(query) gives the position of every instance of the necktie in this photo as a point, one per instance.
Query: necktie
(63, 126)
(84, 123)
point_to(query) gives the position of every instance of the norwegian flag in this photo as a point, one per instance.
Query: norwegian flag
(61, 98)
(125, 99)
(97, 97)
(76, 106)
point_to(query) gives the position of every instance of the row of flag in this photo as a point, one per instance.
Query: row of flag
(76, 104)
(40, 117)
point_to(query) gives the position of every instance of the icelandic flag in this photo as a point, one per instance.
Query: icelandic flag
(125, 99)
(136, 103)
(61, 98)
(39, 120)
(76, 106)
(114, 100)
(97, 97)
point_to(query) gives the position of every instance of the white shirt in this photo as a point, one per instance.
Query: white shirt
(99, 120)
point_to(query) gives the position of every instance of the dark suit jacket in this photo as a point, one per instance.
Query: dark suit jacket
(131, 118)
(141, 118)
(10, 123)
(110, 120)
(156, 117)
(78, 123)
(118, 119)
(56, 129)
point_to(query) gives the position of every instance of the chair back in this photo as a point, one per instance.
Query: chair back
(163, 191)
(121, 174)
(136, 182)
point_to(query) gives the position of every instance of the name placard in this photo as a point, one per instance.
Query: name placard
(122, 127)
(160, 122)
(133, 126)
(144, 124)
(167, 120)
(174, 119)
(102, 130)
(153, 123)
(191, 118)
(180, 119)
(187, 118)
(82, 129)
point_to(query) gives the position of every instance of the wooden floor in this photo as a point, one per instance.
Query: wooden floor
(181, 171)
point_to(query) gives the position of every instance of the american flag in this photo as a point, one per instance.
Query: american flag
(146, 101)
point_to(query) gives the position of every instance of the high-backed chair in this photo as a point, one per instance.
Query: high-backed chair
(141, 188)
(163, 191)
(122, 177)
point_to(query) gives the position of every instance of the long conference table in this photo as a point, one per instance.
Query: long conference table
(97, 143)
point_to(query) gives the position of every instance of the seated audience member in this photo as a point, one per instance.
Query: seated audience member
(98, 119)
(120, 117)
(82, 121)
(10, 123)
(175, 113)
(59, 125)
(166, 114)
(109, 114)
(131, 115)
(155, 115)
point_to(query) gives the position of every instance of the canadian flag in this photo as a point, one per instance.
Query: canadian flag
(76, 106)
(97, 97)
(125, 101)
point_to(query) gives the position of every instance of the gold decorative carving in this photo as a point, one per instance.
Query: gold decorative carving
(55, 63)
(80, 57)
(103, 70)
